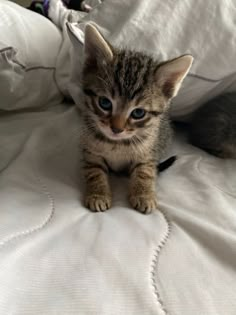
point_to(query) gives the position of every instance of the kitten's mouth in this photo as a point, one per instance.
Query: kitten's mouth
(107, 132)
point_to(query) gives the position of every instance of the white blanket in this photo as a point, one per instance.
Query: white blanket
(56, 257)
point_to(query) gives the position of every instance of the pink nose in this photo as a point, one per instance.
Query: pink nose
(116, 130)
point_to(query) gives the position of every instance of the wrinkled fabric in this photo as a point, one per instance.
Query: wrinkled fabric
(29, 45)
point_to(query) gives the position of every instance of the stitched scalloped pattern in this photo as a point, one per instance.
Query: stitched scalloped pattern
(154, 264)
(38, 227)
(44, 152)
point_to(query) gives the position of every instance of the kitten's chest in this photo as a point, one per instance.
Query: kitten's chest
(118, 160)
(121, 157)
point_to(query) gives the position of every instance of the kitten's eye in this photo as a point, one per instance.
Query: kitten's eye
(105, 103)
(138, 113)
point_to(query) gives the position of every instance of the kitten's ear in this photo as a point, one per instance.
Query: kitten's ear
(96, 48)
(171, 74)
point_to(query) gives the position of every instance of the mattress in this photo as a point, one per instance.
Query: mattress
(57, 257)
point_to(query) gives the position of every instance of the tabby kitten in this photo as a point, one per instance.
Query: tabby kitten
(125, 117)
(213, 126)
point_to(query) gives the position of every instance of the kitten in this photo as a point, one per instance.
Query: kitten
(125, 116)
(213, 126)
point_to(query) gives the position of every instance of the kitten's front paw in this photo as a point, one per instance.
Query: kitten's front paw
(98, 203)
(144, 204)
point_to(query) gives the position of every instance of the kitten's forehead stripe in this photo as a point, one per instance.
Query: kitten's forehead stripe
(132, 71)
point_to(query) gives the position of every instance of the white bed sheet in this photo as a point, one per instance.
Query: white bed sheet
(56, 257)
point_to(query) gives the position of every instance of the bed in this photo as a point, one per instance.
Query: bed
(56, 257)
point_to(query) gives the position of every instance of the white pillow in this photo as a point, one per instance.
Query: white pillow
(29, 45)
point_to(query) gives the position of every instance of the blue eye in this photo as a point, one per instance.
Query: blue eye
(105, 103)
(138, 113)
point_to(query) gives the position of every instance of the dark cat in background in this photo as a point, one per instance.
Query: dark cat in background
(213, 126)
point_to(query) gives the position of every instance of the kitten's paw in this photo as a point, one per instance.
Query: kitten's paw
(144, 204)
(98, 203)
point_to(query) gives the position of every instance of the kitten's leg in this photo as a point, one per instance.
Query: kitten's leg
(142, 194)
(98, 192)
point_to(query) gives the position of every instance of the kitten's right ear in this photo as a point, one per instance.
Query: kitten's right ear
(171, 74)
(96, 48)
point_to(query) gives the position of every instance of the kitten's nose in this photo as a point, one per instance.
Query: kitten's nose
(117, 130)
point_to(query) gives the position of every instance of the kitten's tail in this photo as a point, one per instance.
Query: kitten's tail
(166, 164)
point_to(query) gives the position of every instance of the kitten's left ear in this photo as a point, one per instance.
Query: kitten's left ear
(171, 74)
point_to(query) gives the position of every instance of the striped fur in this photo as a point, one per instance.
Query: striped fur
(129, 80)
